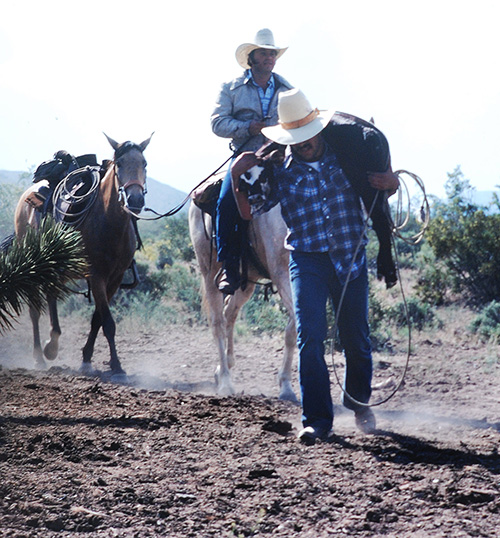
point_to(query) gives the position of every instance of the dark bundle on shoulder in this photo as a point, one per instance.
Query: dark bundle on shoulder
(56, 169)
(60, 166)
(362, 148)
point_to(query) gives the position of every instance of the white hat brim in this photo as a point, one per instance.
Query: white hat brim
(288, 137)
(244, 50)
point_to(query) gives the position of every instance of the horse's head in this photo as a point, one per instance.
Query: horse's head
(130, 170)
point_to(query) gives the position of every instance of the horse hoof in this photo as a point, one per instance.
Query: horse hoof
(40, 364)
(288, 396)
(117, 370)
(87, 369)
(120, 378)
(51, 350)
(225, 389)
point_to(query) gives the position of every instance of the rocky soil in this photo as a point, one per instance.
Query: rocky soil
(161, 454)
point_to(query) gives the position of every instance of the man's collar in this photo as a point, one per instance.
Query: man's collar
(249, 78)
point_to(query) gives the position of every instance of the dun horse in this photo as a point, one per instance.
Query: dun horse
(110, 242)
(267, 234)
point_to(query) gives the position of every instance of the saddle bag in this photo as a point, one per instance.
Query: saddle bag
(205, 196)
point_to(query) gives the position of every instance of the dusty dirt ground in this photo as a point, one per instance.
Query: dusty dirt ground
(163, 455)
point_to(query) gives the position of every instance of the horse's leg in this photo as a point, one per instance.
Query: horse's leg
(109, 330)
(282, 281)
(215, 302)
(102, 317)
(232, 308)
(88, 349)
(37, 345)
(51, 348)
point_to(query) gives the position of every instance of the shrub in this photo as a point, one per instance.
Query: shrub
(487, 323)
(264, 312)
(413, 311)
(434, 280)
(465, 238)
(380, 335)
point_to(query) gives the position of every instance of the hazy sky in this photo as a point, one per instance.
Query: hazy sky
(426, 71)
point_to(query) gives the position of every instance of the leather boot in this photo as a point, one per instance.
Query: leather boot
(229, 280)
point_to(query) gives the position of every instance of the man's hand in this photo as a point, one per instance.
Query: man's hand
(384, 181)
(256, 127)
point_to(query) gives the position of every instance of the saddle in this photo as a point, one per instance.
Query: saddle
(79, 172)
(205, 197)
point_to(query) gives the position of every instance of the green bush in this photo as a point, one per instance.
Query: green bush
(169, 243)
(264, 312)
(380, 335)
(464, 237)
(487, 323)
(177, 285)
(434, 281)
(412, 312)
(170, 295)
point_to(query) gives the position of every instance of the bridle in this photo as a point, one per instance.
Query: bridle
(122, 189)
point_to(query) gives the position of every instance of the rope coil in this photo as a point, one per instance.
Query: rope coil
(402, 221)
(66, 192)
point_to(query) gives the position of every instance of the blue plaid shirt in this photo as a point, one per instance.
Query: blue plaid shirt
(322, 211)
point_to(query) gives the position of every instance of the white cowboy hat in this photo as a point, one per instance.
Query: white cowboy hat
(298, 121)
(263, 40)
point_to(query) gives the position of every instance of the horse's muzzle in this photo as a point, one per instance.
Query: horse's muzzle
(135, 202)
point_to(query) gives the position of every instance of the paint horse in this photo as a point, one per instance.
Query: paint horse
(109, 238)
(267, 237)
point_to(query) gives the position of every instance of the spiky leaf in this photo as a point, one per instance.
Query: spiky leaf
(43, 263)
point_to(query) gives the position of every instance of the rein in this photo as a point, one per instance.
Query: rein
(396, 233)
(178, 207)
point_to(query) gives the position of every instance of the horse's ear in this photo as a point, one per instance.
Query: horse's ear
(114, 143)
(144, 145)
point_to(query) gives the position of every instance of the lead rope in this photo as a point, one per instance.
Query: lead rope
(412, 240)
(178, 207)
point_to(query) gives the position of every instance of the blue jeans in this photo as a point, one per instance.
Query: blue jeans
(230, 228)
(313, 280)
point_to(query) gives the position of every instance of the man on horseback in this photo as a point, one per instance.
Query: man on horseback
(244, 107)
(326, 239)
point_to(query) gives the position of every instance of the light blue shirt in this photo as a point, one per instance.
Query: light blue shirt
(265, 96)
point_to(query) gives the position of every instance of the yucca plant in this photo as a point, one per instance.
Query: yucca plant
(43, 263)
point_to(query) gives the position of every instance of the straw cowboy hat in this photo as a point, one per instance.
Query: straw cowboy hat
(264, 39)
(298, 121)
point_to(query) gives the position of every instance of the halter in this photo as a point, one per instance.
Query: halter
(120, 152)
